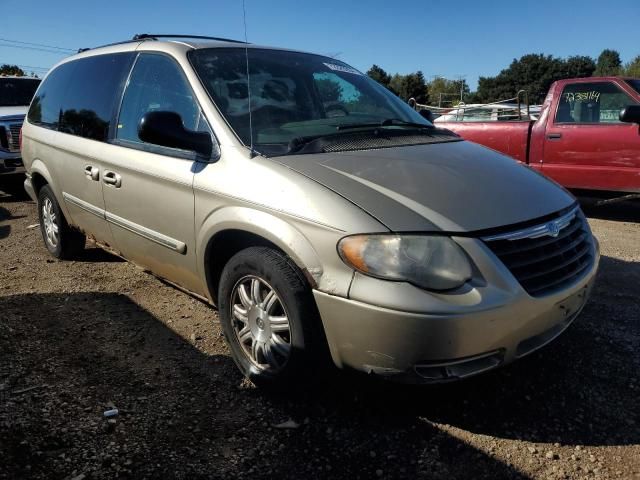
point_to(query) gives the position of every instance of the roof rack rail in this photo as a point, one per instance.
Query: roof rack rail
(80, 50)
(141, 37)
(154, 36)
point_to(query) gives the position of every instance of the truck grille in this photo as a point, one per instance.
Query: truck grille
(14, 138)
(546, 257)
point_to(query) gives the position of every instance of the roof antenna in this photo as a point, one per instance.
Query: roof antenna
(246, 54)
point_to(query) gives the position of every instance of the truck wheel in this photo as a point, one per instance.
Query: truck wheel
(267, 314)
(61, 240)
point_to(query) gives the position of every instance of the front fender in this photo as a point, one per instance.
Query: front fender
(282, 234)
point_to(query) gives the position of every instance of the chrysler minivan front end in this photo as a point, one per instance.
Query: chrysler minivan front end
(488, 300)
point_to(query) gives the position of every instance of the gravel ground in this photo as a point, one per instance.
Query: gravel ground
(79, 338)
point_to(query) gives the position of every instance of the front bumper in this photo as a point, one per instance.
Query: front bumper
(11, 163)
(487, 326)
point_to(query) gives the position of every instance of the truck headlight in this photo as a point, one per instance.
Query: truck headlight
(430, 262)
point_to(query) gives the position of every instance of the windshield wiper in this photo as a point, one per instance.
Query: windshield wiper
(299, 143)
(389, 122)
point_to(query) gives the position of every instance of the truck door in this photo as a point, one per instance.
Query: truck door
(586, 146)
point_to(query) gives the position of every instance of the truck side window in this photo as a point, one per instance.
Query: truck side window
(597, 102)
(156, 84)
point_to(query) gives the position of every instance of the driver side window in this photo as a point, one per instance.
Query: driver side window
(597, 102)
(156, 84)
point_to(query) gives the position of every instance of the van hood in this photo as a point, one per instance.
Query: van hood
(453, 186)
(13, 111)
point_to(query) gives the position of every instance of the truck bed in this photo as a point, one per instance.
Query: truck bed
(510, 138)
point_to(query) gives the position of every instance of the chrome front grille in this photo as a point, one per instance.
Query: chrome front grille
(548, 256)
(14, 137)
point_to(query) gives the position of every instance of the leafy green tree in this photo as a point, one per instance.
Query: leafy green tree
(579, 66)
(533, 72)
(632, 69)
(444, 92)
(409, 86)
(7, 69)
(379, 75)
(609, 63)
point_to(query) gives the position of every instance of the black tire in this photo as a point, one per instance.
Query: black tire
(293, 293)
(69, 241)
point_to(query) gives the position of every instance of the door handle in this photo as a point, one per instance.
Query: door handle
(554, 136)
(92, 172)
(112, 178)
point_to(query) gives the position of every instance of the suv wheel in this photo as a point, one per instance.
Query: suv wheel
(61, 240)
(267, 313)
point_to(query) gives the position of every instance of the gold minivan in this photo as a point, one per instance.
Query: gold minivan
(312, 206)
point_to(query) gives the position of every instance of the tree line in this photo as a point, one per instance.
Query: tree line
(7, 69)
(533, 73)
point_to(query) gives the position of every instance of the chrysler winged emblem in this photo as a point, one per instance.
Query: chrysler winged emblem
(553, 228)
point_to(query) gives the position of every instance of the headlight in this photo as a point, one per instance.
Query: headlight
(430, 262)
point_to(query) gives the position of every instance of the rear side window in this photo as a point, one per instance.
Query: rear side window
(156, 84)
(79, 97)
(92, 95)
(46, 107)
(598, 102)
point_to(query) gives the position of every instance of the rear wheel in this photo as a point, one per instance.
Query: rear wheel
(61, 240)
(267, 314)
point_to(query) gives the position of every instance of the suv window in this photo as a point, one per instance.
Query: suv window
(156, 84)
(598, 102)
(15, 92)
(79, 97)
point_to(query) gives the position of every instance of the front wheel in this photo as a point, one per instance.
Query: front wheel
(268, 315)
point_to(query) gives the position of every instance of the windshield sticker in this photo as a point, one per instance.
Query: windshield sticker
(582, 96)
(342, 68)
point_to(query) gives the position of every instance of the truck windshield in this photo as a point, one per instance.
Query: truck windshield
(635, 84)
(295, 95)
(15, 92)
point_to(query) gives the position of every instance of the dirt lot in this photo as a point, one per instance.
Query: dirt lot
(78, 338)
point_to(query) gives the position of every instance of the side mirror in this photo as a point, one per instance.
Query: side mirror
(630, 114)
(166, 129)
(427, 114)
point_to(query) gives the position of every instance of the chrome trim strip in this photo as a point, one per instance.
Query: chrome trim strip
(159, 238)
(98, 212)
(551, 228)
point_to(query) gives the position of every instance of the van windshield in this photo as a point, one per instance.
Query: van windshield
(17, 92)
(295, 95)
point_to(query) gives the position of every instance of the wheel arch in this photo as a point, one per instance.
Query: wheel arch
(40, 177)
(229, 230)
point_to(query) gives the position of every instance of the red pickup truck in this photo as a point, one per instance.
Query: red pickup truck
(586, 137)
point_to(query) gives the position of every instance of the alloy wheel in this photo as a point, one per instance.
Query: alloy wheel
(261, 323)
(50, 225)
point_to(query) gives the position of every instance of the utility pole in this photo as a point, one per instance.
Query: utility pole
(460, 79)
